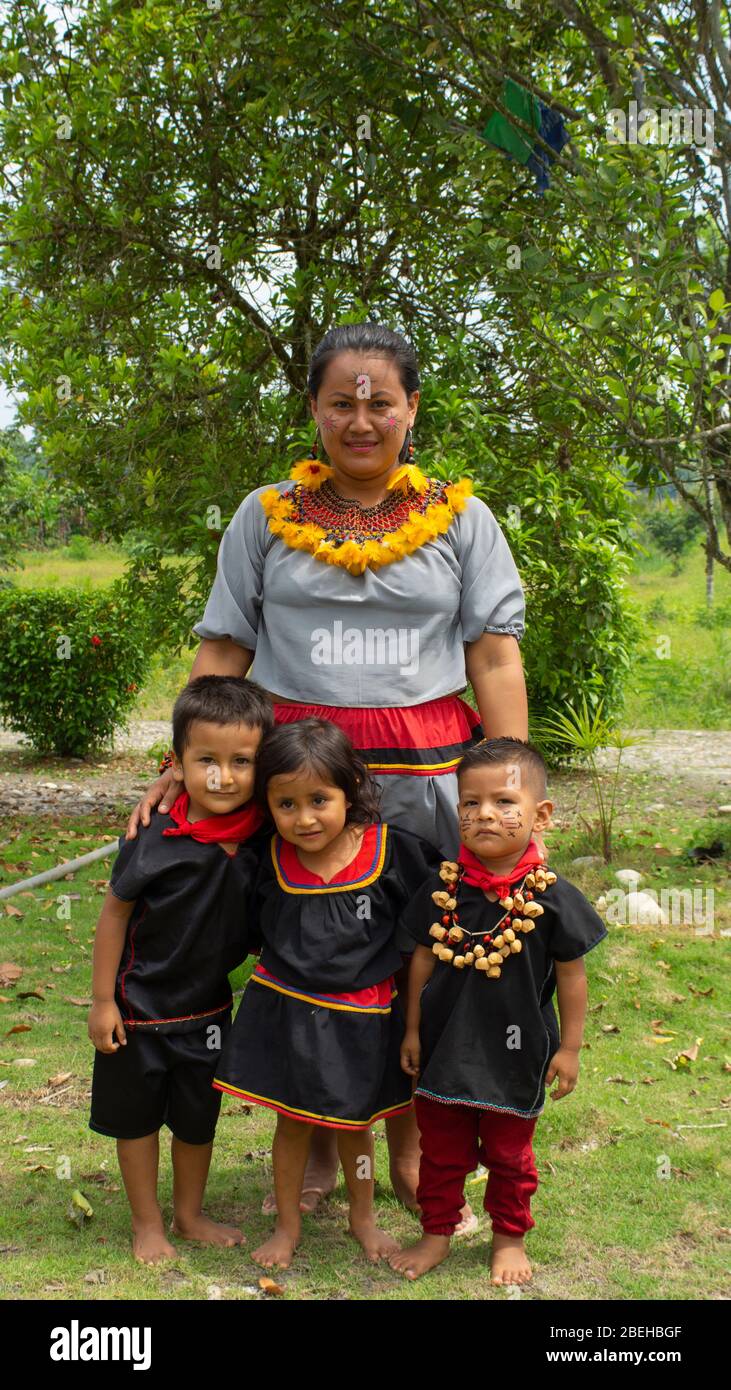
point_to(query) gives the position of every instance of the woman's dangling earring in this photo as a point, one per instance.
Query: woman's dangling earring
(313, 454)
(407, 449)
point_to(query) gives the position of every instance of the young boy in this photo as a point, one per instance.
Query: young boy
(172, 926)
(497, 936)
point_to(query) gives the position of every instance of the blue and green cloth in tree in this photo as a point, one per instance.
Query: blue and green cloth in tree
(516, 143)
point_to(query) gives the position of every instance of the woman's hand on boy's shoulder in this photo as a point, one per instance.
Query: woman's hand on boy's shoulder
(164, 791)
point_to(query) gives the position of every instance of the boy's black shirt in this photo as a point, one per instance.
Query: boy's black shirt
(489, 1042)
(189, 926)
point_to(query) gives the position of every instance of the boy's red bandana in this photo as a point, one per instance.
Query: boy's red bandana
(237, 825)
(480, 877)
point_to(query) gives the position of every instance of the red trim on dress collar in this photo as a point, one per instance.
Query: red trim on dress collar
(296, 875)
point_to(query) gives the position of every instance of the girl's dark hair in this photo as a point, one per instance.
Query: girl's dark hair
(322, 748)
(501, 752)
(221, 700)
(366, 337)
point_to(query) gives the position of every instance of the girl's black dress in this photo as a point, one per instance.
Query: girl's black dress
(318, 1032)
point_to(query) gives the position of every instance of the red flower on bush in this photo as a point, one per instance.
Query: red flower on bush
(96, 641)
(133, 686)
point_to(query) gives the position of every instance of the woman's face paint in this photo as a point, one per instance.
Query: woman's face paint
(392, 423)
(328, 423)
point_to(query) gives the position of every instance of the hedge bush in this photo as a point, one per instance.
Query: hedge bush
(71, 664)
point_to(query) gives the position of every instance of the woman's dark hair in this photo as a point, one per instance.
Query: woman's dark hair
(322, 748)
(501, 752)
(366, 337)
(221, 700)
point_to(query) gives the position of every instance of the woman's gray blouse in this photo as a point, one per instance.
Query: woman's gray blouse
(392, 636)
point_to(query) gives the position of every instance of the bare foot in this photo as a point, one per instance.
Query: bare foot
(277, 1250)
(310, 1198)
(509, 1263)
(468, 1222)
(203, 1228)
(417, 1259)
(376, 1243)
(150, 1245)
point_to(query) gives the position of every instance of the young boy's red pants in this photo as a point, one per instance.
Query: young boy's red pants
(454, 1139)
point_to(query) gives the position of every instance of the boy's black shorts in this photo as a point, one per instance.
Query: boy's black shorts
(159, 1079)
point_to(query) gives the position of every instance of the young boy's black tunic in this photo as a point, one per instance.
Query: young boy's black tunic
(187, 931)
(488, 1042)
(318, 1032)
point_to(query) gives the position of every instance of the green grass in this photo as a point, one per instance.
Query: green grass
(690, 686)
(607, 1226)
(54, 568)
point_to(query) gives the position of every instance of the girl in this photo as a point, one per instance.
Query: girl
(318, 1033)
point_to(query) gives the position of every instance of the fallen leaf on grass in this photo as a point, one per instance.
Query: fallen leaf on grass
(59, 1079)
(24, 1061)
(269, 1286)
(621, 1081)
(726, 1066)
(665, 1123)
(60, 969)
(80, 1208)
(38, 1149)
(648, 1080)
(683, 1059)
(596, 1007)
(36, 1168)
(12, 911)
(660, 1038)
(31, 994)
(19, 1028)
(702, 993)
(52, 1288)
(610, 1028)
(5, 999)
(678, 998)
(96, 1276)
(80, 1003)
(9, 973)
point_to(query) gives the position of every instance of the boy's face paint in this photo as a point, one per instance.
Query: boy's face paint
(498, 812)
(217, 767)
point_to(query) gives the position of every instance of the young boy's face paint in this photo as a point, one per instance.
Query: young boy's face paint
(217, 767)
(307, 810)
(498, 811)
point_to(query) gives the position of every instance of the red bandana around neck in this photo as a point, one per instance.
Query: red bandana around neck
(236, 826)
(481, 877)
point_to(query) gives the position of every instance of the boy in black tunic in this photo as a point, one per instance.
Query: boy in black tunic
(497, 936)
(172, 927)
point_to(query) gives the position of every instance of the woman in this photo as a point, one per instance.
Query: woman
(362, 592)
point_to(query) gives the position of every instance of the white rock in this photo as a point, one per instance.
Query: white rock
(629, 878)
(585, 861)
(640, 910)
(724, 810)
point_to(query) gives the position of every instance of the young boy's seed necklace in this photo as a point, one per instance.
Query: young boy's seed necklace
(502, 940)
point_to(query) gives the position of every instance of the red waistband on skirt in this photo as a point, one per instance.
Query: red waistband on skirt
(420, 740)
(372, 999)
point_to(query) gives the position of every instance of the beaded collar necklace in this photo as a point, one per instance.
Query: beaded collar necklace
(487, 951)
(312, 516)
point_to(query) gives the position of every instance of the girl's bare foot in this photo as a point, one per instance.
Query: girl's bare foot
(509, 1263)
(417, 1259)
(150, 1245)
(310, 1198)
(203, 1228)
(377, 1244)
(278, 1249)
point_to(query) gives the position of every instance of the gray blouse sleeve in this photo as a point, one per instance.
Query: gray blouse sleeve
(234, 603)
(492, 595)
